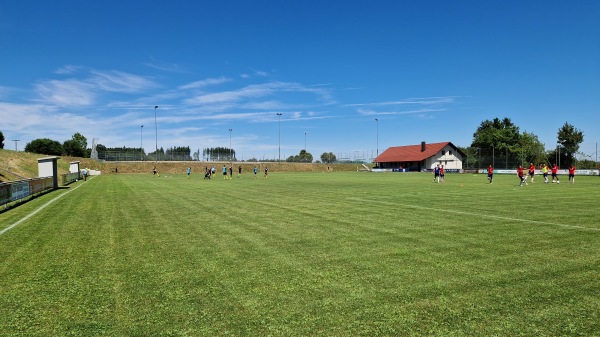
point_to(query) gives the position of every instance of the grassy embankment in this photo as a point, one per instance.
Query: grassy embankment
(16, 165)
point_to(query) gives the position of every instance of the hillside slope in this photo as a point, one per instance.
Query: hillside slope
(23, 165)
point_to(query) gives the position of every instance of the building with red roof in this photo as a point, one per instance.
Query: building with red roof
(421, 157)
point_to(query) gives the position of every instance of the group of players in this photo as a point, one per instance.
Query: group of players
(209, 172)
(531, 172)
(439, 174)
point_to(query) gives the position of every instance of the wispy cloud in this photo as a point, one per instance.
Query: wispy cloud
(68, 70)
(422, 107)
(164, 66)
(117, 81)
(251, 91)
(31, 120)
(258, 73)
(20, 116)
(370, 112)
(67, 93)
(267, 105)
(413, 101)
(84, 91)
(259, 90)
(204, 83)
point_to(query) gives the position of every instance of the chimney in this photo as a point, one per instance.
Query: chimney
(423, 146)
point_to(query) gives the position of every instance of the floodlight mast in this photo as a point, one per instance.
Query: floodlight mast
(377, 122)
(141, 143)
(156, 131)
(279, 115)
(230, 149)
(305, 140)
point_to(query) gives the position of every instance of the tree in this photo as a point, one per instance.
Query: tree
(44, 146)
(157, 155)
(218, 153)
(71, 148)
(76, 146)
(472, 160)
(1, 140)
(179, 153)
(306, 157)
(532, 150)
(328, 157)
(80, 140)
(568, 141)
(303, 157)
(496, 135)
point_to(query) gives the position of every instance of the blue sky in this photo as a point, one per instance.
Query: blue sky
(426, 70)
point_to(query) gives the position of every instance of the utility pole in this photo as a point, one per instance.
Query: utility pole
(16, 140)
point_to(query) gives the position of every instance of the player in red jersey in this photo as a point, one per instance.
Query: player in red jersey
(555, 174)
(572, 174)
(521, 177)
(490, 172)
(442, 173)
(531, 172)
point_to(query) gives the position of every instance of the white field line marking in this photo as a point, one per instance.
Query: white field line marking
(473, 214)
(36, 211)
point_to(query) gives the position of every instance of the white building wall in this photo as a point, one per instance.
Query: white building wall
(451, 159)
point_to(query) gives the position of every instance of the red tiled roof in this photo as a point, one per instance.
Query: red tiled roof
(409, 153)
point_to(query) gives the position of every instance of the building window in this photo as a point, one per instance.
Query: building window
(443, 152)
(450, 152)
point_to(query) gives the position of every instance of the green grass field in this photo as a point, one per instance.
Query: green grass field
(304, 254)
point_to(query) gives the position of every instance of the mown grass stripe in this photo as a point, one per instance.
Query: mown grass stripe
(39, 209)
(481, 215)
(136, 255)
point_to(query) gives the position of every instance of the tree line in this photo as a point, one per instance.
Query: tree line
(502, 141)
(74, 147)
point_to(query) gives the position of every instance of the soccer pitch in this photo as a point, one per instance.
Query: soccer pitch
(304, 254)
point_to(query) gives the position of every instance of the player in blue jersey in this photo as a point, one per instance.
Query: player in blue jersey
(436, 174)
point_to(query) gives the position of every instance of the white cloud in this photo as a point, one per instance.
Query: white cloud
(415, 101)
(266, 105)
(258, 73)
(251, 91)
(20, 116)
(371, 112)
(67, 70)
(117, 81)
(164, 66)
(67, 93)
(85, 91)
(204, 83)
(257, 91)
